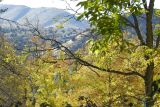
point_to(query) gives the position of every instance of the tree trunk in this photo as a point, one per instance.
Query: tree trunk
(148, 85)
(150, 67)
(24, 98)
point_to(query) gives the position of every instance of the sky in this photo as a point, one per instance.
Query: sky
(43, 3)
(52, 3)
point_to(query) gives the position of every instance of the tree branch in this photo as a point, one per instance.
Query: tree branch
(136, 27)
(151, 5)
(129, 23)
(149, 27)
(129, 73)
(85, 63)
(145, 4)
(157, 41)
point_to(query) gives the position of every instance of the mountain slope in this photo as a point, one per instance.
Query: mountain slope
(45, 16)
(48, 19)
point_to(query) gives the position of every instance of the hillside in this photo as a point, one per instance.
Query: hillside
(44, 15)
(48, 19)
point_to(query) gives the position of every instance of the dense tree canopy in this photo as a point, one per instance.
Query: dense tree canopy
(112, 18)
(119, 65)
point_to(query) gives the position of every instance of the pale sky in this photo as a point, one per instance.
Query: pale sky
(51, 3)
(43, 3)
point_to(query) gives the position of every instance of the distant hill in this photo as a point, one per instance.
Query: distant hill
(46, 16)
(48, 19)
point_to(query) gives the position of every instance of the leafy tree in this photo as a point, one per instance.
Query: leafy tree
(13, 82)
(111, 18)
(116, 50)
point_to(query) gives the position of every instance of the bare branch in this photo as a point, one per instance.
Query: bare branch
(70, 8)
(129, 73)
(85, 63)
(73, 56)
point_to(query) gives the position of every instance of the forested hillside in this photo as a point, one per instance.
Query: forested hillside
(106, 56)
